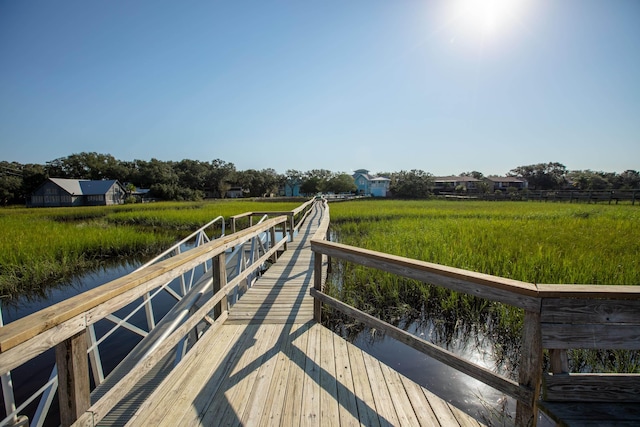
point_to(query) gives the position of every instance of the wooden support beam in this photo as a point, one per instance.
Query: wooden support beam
(272, 237)
(317, 285)
(219, 282)
(73, 378)
(530, 370)
(292, 225)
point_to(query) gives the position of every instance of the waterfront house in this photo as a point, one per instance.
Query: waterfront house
(371, 185)
(502, 183)
(453, 183)
(57, 192)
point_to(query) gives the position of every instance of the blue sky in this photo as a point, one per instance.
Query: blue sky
(441, 86)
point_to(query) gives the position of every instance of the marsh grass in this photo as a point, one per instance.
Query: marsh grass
(40, 247)
(527, 241)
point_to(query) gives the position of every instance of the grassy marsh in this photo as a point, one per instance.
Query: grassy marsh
(40, 247)
(528, 241)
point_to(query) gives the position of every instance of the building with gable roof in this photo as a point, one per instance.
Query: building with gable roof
(370, 185)
(57, 192)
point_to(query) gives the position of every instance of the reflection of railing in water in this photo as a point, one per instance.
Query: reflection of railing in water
(557, 318)
(70, 325)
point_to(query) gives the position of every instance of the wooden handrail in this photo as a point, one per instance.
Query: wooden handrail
(64, 319)
(524, 295)
(513, 292)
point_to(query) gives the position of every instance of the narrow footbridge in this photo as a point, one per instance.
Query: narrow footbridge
(243, 343)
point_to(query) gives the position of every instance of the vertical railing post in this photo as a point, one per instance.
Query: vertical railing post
(327, 238)
(292, 225)
(530, 370)
(73, 378)
(317, 285)
(272, 237)
(219, 282)
(7, 393)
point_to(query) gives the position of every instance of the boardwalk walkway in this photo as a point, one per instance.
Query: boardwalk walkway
(271, 364)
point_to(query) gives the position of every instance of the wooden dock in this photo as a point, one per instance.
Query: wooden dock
(270, 363)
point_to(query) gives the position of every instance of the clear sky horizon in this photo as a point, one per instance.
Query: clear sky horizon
(441, 86)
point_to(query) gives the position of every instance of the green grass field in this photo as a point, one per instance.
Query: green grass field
(40, 247)
(528, 241)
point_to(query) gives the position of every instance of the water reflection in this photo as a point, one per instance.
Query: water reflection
(474, 397)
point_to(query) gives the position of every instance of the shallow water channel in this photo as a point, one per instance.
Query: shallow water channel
(477, 399)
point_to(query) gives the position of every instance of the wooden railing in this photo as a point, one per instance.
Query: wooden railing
(556, 317)
(295, 217)
(65, 326)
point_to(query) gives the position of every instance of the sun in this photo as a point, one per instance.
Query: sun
(487, 18)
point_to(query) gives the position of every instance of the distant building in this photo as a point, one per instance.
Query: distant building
(291, 188)
(235, 193)
(58, 192)
(502, 183)
(450, 183)
(369, 185)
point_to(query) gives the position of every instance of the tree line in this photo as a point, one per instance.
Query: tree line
(193, 179)
(167, 180)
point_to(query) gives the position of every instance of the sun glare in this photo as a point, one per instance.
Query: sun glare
(488, 18)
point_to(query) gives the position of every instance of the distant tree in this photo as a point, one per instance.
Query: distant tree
(222, 174)
(156, 172)
(10, 183)
(310, 185)
(259, 183)
(192, 174)
(630, 180)
(322, 174)
(415, 184)
(473, 174)
(33, 176)
(589, 180)
(483, 187)
(542, 176)
(175, 192)
(341, 183)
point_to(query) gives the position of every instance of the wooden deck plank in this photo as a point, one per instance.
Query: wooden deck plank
(441, 408)
(275, 398)
(174, 386)
(361, 389)
(201, 397)
(228, 402)
(293, 402)
(421, 406)
(399, 398)
(310, 414)
(329, 407)
(381, 395)
(347, 393)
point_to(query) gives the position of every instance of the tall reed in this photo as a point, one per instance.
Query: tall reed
(40, 247)
(527, 241)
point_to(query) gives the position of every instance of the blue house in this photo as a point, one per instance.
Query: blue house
(370, 185)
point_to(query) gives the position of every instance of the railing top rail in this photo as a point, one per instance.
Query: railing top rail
(462, 279)
(407, 264)
(321, 232)
(30, 326)
(631, 292)
(271, 213)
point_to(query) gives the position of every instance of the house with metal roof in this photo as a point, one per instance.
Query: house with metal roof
(502, 183)
(57, 192)
(451, 183)
(371, 185)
